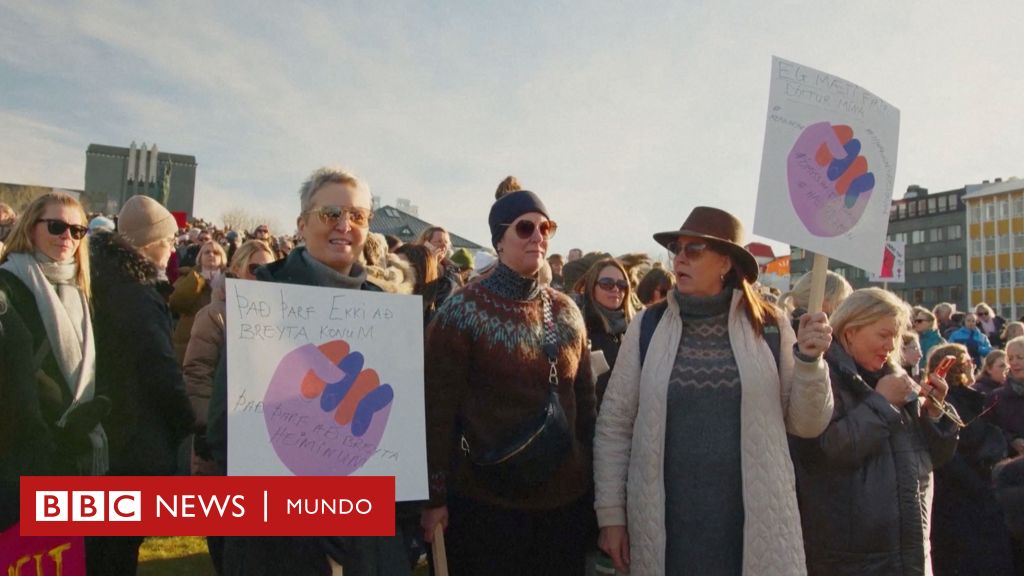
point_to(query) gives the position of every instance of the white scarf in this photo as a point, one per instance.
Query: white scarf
(71, 342)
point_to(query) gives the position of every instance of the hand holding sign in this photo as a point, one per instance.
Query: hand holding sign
(829, 184)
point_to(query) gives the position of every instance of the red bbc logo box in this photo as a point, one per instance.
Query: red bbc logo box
(207, 505)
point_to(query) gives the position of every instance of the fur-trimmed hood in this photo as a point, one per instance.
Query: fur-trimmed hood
(114, 261)
(396, 277)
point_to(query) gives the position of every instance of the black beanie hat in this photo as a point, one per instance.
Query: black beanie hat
(506, 209)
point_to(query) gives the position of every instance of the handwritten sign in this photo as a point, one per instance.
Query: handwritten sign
(41, 555)
(828, 165)
(325, 382)
(894, 262)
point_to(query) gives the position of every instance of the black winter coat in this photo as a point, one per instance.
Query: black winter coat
(135, 363)
(864, 485)
(968, 534)
(600, 340)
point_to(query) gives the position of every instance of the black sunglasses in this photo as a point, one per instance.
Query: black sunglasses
(525, 228)
(57, 228)
(609, 284)
(692, 250)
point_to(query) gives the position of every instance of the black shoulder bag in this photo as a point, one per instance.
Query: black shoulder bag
(530, 456)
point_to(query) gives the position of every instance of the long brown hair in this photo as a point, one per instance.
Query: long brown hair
(422, 261)
(588, 283)
(759, 312)
(20, 238)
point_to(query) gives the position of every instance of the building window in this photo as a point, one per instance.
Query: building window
(935, 234)
(797, 253)
(938, 294)
(954, 232)
(1018, 206)
(954, 293)
(1018, 275)
(1004, 209)
(990, 245)
(990, 278)
(935, 264)
(911, 209)
(918, 296)
(1004, 277)
(954, 262)
(1018, 241)
(918, 265)
(976, 246)
(901, 211)
(932, 206)
(975, 211)
(1004, 243)
(917, 236)
(990, 212)
(943, 203)
(976, 279)
(922, 207)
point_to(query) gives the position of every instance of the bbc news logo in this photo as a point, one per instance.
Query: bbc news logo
(208, 505)
(89, 506)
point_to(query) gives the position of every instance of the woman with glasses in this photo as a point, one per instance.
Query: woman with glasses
(192, 291)
(925, 324)
(51, 389)
(865, 483)
(968, 535)
(510, 411)
(691, 461)
(136, 365)
(604, 296)
(990, 324)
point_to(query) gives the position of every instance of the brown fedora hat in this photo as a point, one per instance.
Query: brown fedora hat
(722, 228)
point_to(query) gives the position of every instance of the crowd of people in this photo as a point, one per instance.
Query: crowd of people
(591, 409)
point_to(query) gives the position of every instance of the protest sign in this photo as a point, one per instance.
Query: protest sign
(326, 382)
(894, 262)
(41, 555)
(827, 168)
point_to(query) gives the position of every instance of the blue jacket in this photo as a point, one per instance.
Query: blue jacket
(976, 342)
(929, 340)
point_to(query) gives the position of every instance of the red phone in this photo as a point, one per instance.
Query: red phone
(944, 365)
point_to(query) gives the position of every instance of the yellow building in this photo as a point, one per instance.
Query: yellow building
(995, 247)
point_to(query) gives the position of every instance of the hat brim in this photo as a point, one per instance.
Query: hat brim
(743, 259)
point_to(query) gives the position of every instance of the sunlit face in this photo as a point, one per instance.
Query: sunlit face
(911, 352)
(209, 257)
(524, 255)
(699, 274)
(608, 294)
(442, 243)
(262, 232)
(335, 244)
(871, 345)
(1015, 358)
(258, 258)
(159, 252)
(58, 248)
(997, 371)
(556, 267)
(204, 238)
(922, 324)
(971, 321)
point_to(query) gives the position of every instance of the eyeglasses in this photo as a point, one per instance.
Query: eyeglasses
(262, 231)
(610, 284)
(525, 228)
(57, 228)
(920, 320)
(692, 250)
(982, 313)
(330, 215)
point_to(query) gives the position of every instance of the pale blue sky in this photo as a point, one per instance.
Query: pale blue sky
(621, 116)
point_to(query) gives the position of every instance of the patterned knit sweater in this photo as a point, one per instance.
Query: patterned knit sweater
(486, 372)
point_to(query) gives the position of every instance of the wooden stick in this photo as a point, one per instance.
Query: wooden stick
(818, 275)
(437, 546)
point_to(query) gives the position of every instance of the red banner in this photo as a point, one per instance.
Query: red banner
(42, 556)
(207, 506)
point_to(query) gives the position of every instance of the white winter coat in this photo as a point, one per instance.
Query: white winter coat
(630, 440)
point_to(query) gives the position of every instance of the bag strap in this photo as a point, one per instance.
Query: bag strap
(550, 344)
(648, 323)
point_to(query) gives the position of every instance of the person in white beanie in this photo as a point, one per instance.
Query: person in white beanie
(136, 366)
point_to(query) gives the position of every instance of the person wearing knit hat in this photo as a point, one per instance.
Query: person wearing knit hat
(150, 414)
(504, 351)
(101, 224)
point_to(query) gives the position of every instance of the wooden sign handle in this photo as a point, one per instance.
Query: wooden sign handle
(818, 276)
(437, 546)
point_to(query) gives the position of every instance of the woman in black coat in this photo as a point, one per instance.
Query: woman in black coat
(968, 534)
(864, 485)
(136, 366)
(604, 295)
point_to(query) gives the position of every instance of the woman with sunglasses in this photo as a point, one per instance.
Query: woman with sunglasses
(136, 365)
(968, 535)
(44, 282)
(604, 298)
(865, 483)
(990, 324)
(505, 353)
(691, 461)
(193, 290)
(924, 322)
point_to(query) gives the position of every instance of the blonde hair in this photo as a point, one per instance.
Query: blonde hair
(245, 253)
(958, 373)
(865, 307)
(20, 238)
(1018, 326)
(991, 359)
(837, 289)
(211, 245)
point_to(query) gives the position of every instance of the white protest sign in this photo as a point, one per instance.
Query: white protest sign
(828, 166)
(325, 382)
(894, 261)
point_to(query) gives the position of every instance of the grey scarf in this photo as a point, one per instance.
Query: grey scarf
(327, 276)
(615, 320)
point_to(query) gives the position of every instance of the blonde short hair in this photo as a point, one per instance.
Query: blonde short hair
(837, 289)
(865, 307)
